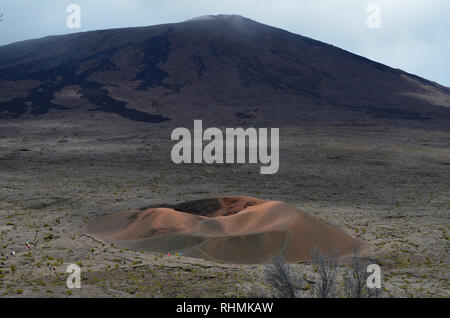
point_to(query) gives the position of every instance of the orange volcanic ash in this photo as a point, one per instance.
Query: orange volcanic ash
(241, 230)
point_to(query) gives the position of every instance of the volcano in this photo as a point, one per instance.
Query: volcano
(221, 69)
(241, 230)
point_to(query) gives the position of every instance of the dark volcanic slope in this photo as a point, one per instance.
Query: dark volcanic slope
(218, 68)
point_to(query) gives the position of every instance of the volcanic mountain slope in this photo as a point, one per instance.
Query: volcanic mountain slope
(243, 230)
(220, 68)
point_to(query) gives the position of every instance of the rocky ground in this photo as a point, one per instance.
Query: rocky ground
(388, 186)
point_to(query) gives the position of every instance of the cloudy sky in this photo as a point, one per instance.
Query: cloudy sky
(413, 35)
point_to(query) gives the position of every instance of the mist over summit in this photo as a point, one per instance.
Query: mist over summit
(223, 68)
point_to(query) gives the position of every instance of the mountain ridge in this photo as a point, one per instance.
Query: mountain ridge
(145, 73)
